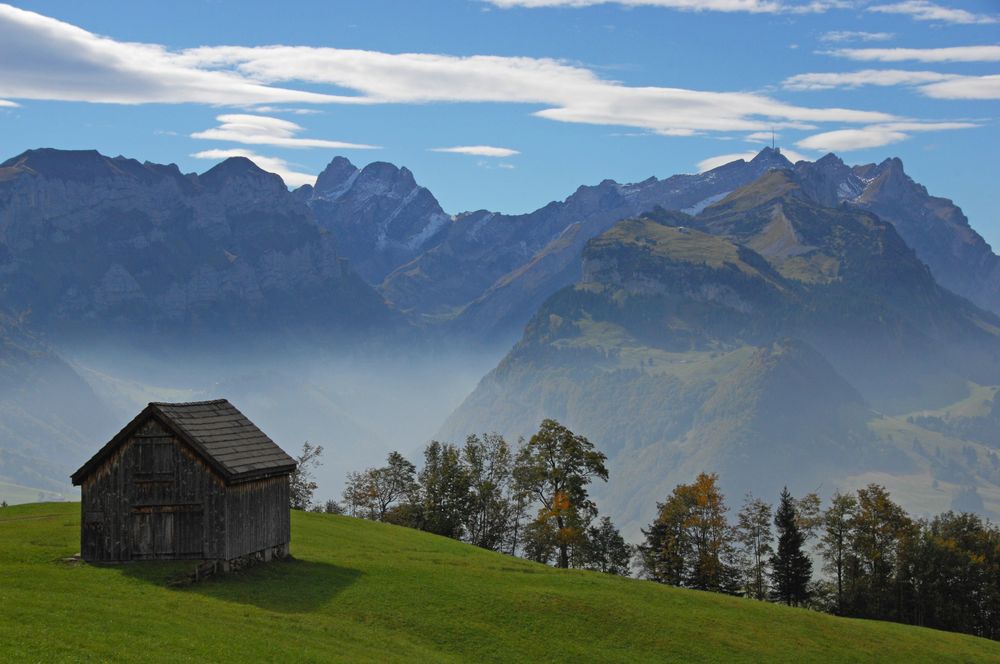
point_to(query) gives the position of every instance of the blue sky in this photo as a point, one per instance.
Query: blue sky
(508, 104)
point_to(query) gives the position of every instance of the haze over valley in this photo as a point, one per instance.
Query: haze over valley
(759, 318)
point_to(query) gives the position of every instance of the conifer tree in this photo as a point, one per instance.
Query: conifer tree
(606, 550)
(791, 568)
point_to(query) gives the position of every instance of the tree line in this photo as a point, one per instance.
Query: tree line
(879, 562)
(532, 500)
(529, 500)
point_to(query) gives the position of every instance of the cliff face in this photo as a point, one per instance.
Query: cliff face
(90, 244)
(934, 227)
(381, 217)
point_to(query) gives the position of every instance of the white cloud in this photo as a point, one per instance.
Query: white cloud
(42, 58)
(748, 6)
(572, 93)
(921, 10)
(8, 104)
(762, 136)
(929, 83)
(844, 140)
(753, 6)
(947, 54)
(281, 109)
(480, 150)
(965, 87)
(269, 164)
(854, 35)
(723, 159)
(874, 136)
(264, 130)
(854, 79)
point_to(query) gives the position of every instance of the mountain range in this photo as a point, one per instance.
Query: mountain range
(95, 246)
(483, 274)
(769, 338)
(812, 323)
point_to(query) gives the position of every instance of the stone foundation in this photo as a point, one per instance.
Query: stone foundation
(210, 567)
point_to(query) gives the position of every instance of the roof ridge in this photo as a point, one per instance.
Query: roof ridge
(218, 431)
(187, 403)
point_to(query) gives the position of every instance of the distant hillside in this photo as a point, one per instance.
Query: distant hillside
(360, 591)
(770, 339)
(49, 417)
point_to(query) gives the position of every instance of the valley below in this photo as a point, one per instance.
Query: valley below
(776, 323)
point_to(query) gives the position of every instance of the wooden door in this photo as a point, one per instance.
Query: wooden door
(143, 540)
(167, 532)
(189, 534)
(163, 534)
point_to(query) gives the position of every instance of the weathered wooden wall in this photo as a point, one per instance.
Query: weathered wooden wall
(153, 498)
(257, 516)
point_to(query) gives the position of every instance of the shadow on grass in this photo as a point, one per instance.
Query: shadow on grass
(286, 586)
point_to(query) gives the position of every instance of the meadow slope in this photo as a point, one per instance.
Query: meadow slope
(360, 591)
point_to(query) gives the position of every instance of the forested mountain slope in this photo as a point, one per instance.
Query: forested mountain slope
(769, 338)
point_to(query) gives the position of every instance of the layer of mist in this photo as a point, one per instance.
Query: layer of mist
(358, 407)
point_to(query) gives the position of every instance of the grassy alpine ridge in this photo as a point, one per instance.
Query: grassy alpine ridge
(363, 591)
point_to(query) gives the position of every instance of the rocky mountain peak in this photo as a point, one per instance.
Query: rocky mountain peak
(829, 180)
(771, 158)
(829, 160)
(894, 164)
(382, 176)
(231, 169)
(85, 166)
(888, 181)
(336, 177)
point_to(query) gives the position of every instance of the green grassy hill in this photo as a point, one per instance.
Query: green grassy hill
(14, 494)
(360, 591)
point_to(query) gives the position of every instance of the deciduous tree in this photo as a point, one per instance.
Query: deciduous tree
(691, 542)
(491, 520)
(443, 495)
(373, 492)
(301, 484)
(753, 532)
(879, 529)
(835, 540)
(554, 468)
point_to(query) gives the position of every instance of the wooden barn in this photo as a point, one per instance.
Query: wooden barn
(186, 481)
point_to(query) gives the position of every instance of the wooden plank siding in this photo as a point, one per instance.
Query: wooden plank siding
(253, 523)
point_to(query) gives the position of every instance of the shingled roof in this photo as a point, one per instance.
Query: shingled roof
(221, 434)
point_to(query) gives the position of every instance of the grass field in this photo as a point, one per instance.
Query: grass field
(359, 591)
